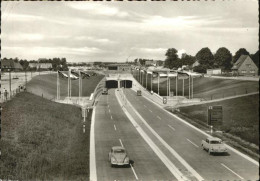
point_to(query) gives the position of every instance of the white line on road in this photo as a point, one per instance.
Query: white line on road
(232, 171)
(121, 143)
(159, 118)
(134, 171)
(145, 106)
(173, 152)
(111, 117)
(192, 143)
(171, 127)
(115, 127)
(150, 110)
(172, 168)
(109, 110)
(199, 130)
(92, 158)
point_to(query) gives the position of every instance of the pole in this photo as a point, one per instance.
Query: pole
(79, 84)
(183, 87)
(146, 80)
(69, 83)
(189, 86)
(169, 85)
(176, 86)
(10, 82)
(151, 81)
(57, 85)
(158, 83)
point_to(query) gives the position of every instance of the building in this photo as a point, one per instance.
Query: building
(41, 65)
(214, 71)
(150, 63)
(10, 64)
(119, 67)
(245, 66)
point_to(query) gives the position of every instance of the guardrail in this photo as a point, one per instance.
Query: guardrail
(97, 91)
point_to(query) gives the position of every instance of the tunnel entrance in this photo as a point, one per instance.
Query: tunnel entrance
(126, 83)
(111, 84)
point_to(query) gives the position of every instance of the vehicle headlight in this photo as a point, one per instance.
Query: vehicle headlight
(113, 159)
(126, 160)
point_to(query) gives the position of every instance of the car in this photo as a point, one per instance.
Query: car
(104, 91)
(118, 156)
(139, 93)
(213, 145)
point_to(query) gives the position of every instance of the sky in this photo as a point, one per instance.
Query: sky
(123, 31)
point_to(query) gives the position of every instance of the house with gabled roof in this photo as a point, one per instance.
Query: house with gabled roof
(245, 66)
(11, 65)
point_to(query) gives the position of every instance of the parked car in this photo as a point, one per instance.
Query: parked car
(213, 145)
(118, 156)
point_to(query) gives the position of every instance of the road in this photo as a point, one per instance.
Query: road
(172, 144)
(112, 128)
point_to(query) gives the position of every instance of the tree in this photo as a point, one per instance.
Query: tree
(172, 60)
(241, 51)
(205, 57)
(200, 69)
(223, 58)
(187, 59)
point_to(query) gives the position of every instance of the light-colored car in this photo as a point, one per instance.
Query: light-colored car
(118, 156)
(213, 145)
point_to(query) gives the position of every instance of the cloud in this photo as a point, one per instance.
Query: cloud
(97, 8)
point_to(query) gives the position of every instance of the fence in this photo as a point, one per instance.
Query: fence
(6, 96)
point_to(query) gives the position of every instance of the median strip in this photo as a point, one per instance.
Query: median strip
(173, 152)
(172, 168)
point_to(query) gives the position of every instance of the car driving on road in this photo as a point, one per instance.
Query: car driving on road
(118, 156)
(213, 145)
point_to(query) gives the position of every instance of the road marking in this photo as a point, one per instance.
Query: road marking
(232, 171)
(115, 127)
(172, 168)
(121, 143)
(111, 117)
(134, 171)
(145, 106)
(108, 105)
(109, 110)
(171, 127)
(150, 110)
(173, 152)
(159, 118)
(192, 143)
(92, 156)
(199, 130)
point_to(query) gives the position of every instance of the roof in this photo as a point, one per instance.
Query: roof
(214, 139)
(240, 61)
(118, 147)
(10, 64)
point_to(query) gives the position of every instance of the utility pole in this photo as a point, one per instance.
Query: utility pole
(10, 82)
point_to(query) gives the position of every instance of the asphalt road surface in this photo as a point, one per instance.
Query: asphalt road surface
(174, 140)
(112, 128)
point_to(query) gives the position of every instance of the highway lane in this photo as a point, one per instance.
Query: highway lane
(112, 128)
(186, 141)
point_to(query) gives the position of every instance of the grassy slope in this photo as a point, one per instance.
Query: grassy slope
(240, 116)
(43, 140)
(47, 85)
(206, 87)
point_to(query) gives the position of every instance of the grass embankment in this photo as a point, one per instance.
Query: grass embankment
(240, 119)
(206, 88)
(46, 86)
(43, 140)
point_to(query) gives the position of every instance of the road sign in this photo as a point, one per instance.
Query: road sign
(164, 100)
(215, 115)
